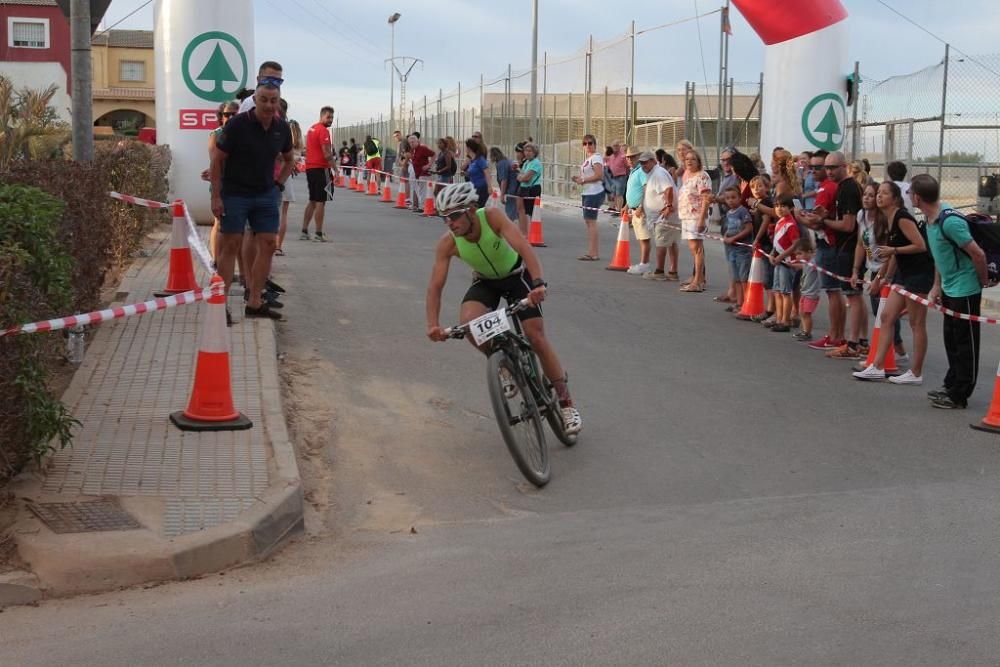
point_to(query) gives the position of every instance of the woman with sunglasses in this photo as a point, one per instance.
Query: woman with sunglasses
(591, 180)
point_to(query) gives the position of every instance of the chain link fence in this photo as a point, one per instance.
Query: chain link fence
(610, 88)
(941, 120)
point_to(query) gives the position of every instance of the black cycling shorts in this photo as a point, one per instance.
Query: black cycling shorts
(319, 184)
(513, 288)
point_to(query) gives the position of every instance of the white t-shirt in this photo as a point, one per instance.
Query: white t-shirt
(247, 104)
(904, 188)
(658, 181)
(587, 171)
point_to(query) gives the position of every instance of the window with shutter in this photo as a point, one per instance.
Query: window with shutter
(132, 70)
(28, 34)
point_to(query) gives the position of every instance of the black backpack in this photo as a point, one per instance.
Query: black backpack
(985, 233)
(371, 148)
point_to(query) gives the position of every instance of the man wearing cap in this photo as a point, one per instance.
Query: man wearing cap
(633, 204)
(661, 213)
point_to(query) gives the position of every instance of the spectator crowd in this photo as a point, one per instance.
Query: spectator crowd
(807, 225)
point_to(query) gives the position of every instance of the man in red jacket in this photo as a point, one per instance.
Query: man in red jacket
(421, 157)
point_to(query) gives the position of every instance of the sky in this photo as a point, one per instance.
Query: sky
(333, 52)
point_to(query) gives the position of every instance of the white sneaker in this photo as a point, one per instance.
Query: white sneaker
(902, 358)
(640, 269)
(907, 378)
(571, 420)
(871, 373)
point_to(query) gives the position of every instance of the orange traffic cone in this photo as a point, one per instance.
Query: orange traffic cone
(353, 183)
(889, 365)
(339, 181)
(623, 255)
(535, 236)
(211, 405)
(991, 422)
(401, 195)
(387, 191)
(753, 301)
(372, 184)
(180, 276)
(359, 186)
(429, 209)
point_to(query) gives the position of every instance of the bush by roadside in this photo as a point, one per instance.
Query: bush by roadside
(61, 240)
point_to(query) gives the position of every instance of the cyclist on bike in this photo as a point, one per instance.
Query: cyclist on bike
(504, 265)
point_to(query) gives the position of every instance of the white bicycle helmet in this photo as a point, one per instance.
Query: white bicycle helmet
(456, 196)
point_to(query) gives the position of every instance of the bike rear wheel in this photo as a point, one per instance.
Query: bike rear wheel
(519, 418)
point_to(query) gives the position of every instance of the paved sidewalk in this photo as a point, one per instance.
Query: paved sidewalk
(205, 500)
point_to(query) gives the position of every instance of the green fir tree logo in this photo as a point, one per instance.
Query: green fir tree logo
(828, 126)
(828, 133)
(217, 70)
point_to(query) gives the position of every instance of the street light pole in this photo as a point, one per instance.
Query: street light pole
(392, 75)
(534, 68)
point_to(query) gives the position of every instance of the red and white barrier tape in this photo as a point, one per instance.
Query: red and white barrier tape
(97, 316)
(194, 238)
(138, 201)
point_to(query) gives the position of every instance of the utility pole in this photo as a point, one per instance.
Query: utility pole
(403, 76)
(534, 68)
(82, 77)
(392, 77)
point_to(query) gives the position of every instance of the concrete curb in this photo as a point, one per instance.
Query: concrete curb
(71, 564)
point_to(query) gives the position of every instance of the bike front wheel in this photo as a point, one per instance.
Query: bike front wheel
(519, 418)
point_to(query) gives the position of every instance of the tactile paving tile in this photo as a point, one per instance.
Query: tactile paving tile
(189, 515)
(88, 517)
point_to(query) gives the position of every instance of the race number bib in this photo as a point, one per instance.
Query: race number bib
(489, 326)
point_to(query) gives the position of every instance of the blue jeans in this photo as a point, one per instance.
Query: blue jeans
(259, 211)
(739, 265)
(510, 207)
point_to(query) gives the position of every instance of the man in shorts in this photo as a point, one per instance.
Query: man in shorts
(633, 204)
(245, 190)
(504, 266)
(838, 226)
(658, 210)
(319, 161)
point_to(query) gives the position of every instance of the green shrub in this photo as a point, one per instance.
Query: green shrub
(35, 283)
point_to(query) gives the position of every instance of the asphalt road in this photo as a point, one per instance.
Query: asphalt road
(735, 498)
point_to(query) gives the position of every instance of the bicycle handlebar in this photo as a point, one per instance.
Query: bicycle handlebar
(459, 330)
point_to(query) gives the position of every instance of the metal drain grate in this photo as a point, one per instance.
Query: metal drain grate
(89, 517)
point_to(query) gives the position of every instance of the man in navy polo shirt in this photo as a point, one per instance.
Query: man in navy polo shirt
(245, 191)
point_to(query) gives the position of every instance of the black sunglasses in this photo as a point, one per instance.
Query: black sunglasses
(270, 81)
(228, 114)
(833, 166)
(816, 167)
(589, 143)
(453, 216)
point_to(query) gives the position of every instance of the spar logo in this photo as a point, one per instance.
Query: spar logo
(824, 120)
(214, 66)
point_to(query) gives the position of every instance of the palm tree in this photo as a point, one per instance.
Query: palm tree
(24, 115)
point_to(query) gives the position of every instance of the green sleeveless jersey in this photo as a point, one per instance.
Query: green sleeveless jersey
(491, 256)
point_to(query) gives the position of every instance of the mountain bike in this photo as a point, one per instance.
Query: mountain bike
(521, 394)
